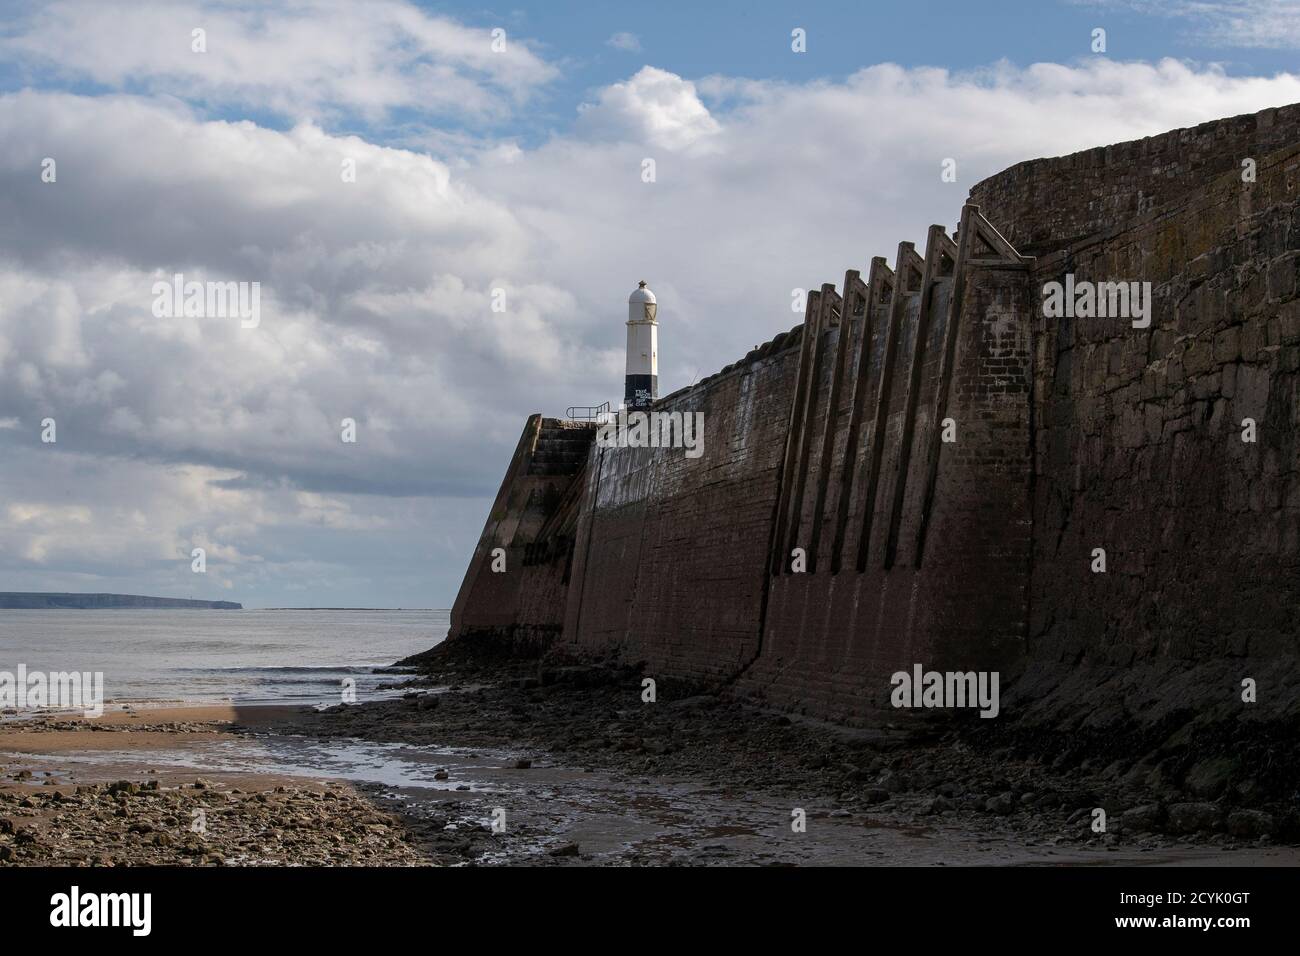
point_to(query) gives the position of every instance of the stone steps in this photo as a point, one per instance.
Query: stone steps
(561, 447)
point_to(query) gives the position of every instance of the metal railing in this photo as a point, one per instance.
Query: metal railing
(588, 413)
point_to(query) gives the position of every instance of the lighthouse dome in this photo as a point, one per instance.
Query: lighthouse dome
(641, 294)
(641, 305)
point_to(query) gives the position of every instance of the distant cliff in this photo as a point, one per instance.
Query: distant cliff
(20, 599)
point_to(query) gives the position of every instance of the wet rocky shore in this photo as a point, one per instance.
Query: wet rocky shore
(563, 763)
(1035, 793)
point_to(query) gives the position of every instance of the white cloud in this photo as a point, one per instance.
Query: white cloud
(1260, 24)
(625, 41)
(302, 59)
(654, 106)
(376, 298)
(84, 522)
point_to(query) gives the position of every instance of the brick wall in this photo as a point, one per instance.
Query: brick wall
(671, 551)
(832, 639)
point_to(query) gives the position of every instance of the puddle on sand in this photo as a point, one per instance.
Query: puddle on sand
(390, 765)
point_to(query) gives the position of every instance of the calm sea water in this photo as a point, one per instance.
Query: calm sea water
(245, 656)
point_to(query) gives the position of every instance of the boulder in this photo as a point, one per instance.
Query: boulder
(1249, 824)
(1194, 817)
(1209, 778)
(1001, 804)
(1148, 818)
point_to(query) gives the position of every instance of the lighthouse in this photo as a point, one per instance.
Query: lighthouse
(641, 384)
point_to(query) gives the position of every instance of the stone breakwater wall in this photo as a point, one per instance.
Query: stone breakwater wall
(1042, 205)
(923, 469)
(1138, 432)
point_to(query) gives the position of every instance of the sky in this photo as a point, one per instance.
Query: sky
(444, 208)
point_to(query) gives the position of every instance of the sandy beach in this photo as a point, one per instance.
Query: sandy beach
(521, 764)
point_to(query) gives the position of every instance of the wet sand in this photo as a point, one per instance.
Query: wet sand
(135, 728)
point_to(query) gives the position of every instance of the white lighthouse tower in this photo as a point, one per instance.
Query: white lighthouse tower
(641, 384)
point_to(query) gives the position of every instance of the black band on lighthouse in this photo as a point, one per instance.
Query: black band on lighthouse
(640, 390)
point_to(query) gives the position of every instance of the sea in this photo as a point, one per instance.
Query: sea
(209, 656)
